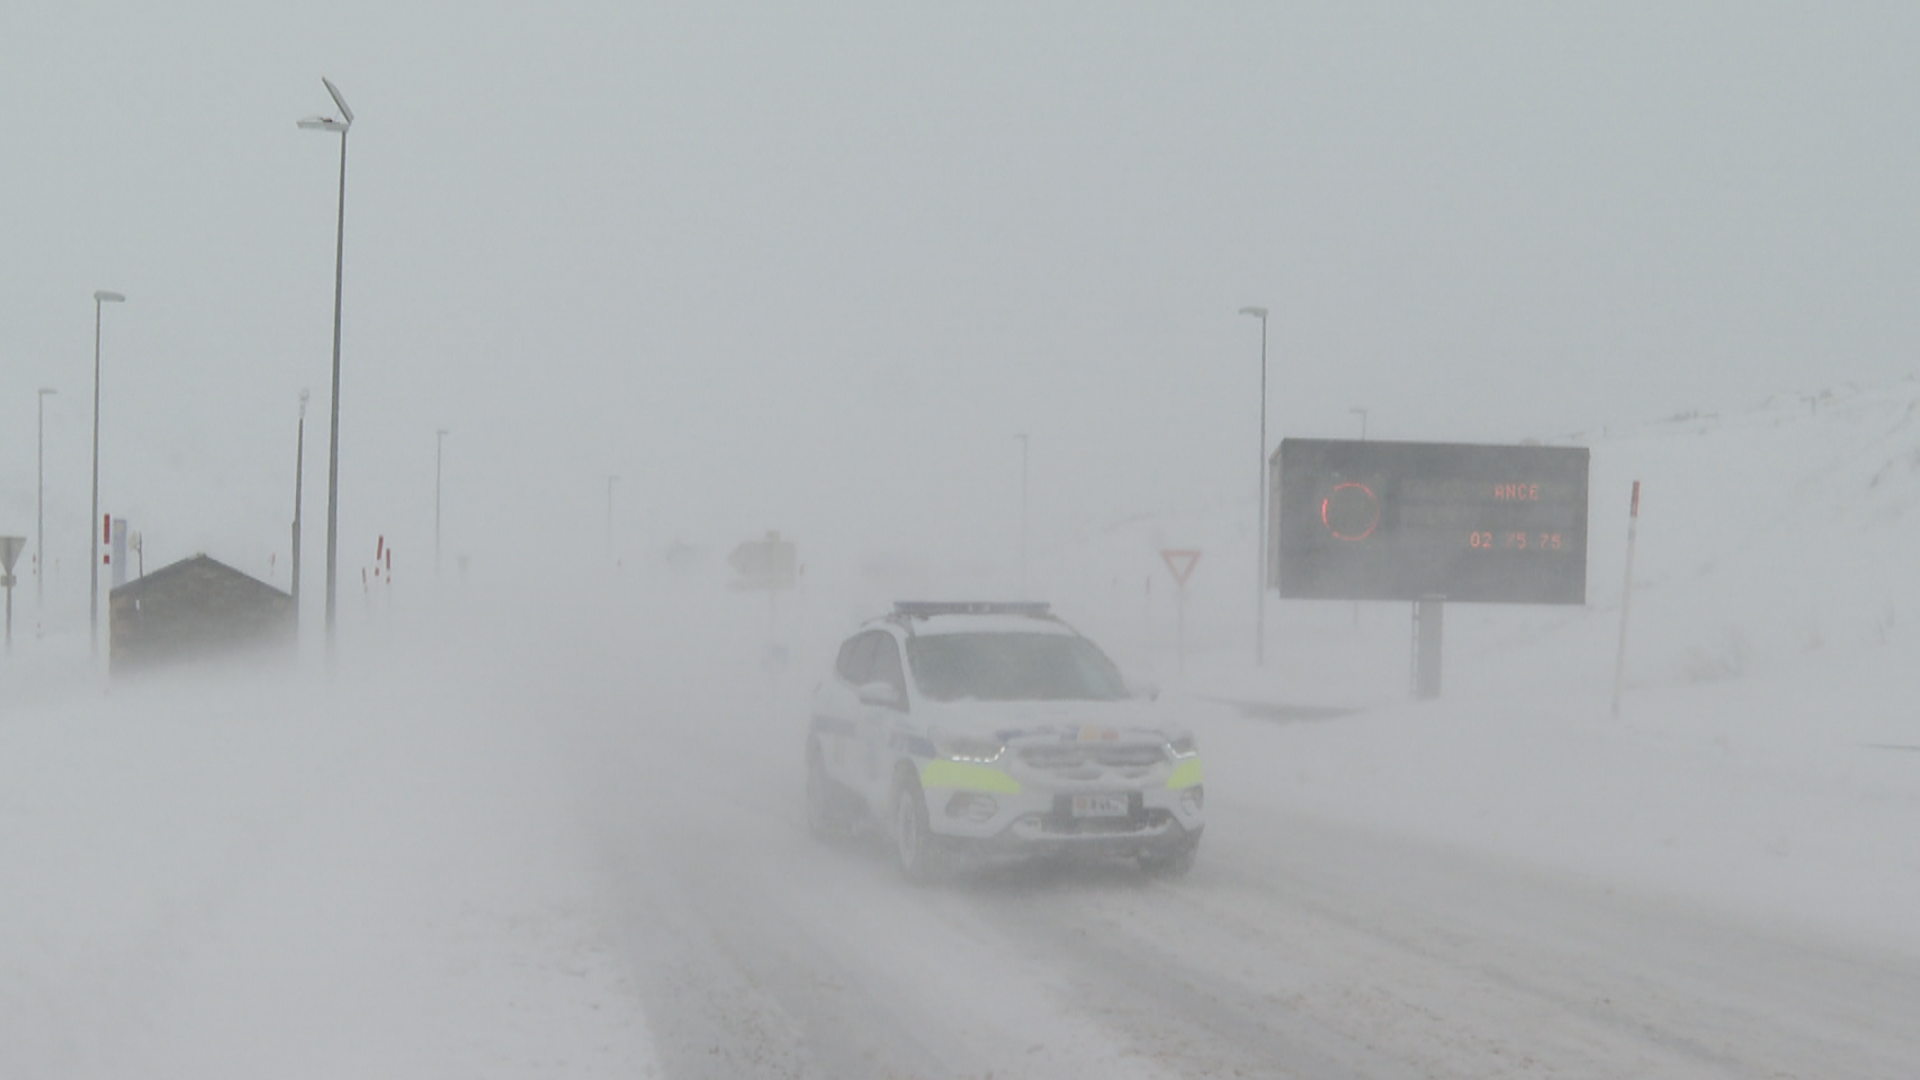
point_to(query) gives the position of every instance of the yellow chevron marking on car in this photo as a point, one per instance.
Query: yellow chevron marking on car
(958, 774)
(1185, 775)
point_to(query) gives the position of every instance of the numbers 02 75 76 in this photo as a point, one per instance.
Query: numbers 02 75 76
(1514, 541)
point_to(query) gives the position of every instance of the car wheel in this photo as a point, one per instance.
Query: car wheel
(826, 803)
(924, 859)
(1170, 864)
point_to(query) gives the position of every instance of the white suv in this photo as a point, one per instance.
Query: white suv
(975, 729)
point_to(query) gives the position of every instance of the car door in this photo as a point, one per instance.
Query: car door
(837, 720)
(879, 718)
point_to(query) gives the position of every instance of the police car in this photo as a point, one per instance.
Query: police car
(973, 730)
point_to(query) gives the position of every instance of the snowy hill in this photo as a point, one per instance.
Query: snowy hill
(1771, 536)
(1767, 756)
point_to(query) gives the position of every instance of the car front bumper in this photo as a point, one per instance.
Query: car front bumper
(1158, 821)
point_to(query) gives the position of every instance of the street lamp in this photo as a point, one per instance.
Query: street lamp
(610, 481)
(40, 506)
(299, 475)
(1023, 514)
(100, 297)
(1260, 529)
(342, 125)
(439, 449)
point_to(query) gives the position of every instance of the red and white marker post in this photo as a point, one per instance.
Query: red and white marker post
(1626, 598)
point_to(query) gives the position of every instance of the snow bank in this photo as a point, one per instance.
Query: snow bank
(223, 877)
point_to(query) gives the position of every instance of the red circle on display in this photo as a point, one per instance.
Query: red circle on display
(1351, 511)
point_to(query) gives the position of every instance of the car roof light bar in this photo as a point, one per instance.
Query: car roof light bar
(921, 609)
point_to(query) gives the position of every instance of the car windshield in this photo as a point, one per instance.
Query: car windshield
(1012, 667)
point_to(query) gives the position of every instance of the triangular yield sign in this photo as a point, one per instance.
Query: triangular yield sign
(1180, 562)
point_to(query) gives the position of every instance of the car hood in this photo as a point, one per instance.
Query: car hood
(1023, 723)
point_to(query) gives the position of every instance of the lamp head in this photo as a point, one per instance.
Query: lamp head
(102, 296)
(334, 91)
(1257, 312)
(328, 123)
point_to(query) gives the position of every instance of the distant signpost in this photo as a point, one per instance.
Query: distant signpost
(9, 554)
(767, 565)
(1180, 563)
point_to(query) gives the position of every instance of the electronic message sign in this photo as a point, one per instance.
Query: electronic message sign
(1420, 521)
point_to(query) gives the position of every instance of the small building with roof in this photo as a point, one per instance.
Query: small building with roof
(198, 609)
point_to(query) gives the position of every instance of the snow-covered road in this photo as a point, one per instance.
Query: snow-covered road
(590, 860)
(1302, 945)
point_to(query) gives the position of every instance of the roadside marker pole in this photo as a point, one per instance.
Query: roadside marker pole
(1626, 599)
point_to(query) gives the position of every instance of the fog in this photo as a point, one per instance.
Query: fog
(674, 276)
(814, 271)
(560, 830)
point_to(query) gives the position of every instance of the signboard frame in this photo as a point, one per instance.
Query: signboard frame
(1413, 521)
(770, 564)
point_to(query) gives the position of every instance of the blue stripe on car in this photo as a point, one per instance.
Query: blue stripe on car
(832, 725)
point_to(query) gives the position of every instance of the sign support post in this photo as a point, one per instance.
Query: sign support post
(1429, 615)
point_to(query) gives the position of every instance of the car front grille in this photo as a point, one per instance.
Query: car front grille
(1091, 761)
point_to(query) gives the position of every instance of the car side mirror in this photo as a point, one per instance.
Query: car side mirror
(885, 695)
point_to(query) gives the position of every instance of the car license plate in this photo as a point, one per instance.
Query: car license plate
(1099, 806)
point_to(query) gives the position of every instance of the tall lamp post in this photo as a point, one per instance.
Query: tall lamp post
(439, 450)
(299, 475)
(610, 481)
(342, 125)
(1260, 529)
(40, 505)
(1023, 514)
(100, 297)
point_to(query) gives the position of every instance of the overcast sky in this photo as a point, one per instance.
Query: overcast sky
(813, 269)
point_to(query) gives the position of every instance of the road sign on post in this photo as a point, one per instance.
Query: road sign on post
(9, 553)
(768, 566)
(764, 565)
(1180, 563)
